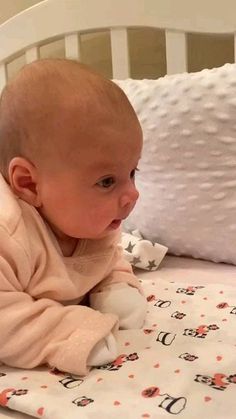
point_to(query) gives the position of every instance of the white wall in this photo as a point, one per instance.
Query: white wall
(8, 8)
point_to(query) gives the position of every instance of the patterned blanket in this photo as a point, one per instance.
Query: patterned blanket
(182, 363)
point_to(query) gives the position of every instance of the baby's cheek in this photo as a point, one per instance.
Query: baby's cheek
(102, 210)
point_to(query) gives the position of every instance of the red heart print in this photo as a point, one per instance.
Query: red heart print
(40, 411)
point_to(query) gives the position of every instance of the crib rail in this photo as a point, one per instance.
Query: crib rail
(54, 19)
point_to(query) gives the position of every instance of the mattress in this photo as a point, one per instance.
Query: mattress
(182, 362)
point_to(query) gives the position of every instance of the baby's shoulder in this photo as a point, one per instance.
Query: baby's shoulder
(10, 210)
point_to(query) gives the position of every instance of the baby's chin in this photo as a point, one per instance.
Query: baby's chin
(94, 234)
(103, 235)
(109, 230)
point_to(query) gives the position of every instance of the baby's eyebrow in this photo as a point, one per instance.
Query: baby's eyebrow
(106, 167)
(102, 166)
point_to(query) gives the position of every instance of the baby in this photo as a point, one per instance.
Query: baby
(70, 143)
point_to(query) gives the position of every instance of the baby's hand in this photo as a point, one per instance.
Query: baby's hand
(124, 301)
(104, 351)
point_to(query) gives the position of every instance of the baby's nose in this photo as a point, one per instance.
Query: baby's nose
(129, 197)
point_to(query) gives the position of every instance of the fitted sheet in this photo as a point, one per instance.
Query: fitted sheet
(193, 271)
(173, 270)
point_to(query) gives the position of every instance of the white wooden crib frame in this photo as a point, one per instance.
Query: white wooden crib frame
(54, 19)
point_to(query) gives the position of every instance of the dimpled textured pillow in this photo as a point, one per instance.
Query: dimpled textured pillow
(187, 177)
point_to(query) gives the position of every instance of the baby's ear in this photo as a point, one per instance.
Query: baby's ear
(24, 180)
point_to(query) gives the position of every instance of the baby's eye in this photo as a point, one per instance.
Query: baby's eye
(106, 183)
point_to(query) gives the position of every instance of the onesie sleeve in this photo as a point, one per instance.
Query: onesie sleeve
(43, 331)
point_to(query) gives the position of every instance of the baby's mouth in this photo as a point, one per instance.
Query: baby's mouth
(115, 224)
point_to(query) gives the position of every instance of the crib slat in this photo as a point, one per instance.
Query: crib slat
(235, 47)
(72, 46)
(31, 54)
(120, 53)
(3, 76)
(176, 52)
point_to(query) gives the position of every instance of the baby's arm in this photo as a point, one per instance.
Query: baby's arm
(120, 293)
(42, 331)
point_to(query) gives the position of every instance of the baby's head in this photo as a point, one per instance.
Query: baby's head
(70, 142)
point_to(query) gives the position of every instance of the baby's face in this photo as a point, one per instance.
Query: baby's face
(90, 194)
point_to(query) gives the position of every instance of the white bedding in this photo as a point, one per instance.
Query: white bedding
(161, 381)
(193, 271)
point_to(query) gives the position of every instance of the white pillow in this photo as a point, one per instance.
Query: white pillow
(187, 178)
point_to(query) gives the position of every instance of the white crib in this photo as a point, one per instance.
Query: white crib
(55, 19)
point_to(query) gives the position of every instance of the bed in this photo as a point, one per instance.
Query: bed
(183, 362)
